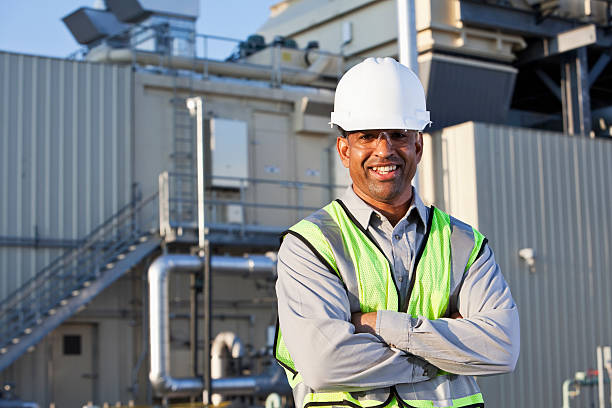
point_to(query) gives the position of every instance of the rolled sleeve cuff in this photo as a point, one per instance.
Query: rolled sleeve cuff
(395, 328)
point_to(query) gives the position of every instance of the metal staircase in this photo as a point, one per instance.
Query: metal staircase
(72, 280)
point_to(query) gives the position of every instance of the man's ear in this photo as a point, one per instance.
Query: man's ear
(343, 150)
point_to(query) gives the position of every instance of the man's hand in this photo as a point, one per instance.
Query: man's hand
(364, 322)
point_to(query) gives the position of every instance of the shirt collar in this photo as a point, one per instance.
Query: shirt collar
(363, 212)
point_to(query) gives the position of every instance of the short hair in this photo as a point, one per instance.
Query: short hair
(343, 133)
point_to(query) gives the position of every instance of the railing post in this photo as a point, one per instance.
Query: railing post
(213, 207)
(164, 205)
(300, 194)
(137, 196)
(205, 57)
(242, 206)
(276, 79)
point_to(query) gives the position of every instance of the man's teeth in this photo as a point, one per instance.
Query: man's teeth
(384, 169)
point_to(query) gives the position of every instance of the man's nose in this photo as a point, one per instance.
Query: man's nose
(384, 145)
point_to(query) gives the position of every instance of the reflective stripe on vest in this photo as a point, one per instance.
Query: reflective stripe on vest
(429, 289)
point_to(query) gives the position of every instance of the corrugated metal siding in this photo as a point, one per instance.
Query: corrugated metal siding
(549, 192)
(65, 139)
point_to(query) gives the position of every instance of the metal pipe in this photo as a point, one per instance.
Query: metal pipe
(566, 392)
(207, 294)
(407, 45)
(607, 363)
(252, 265)
(600, 378)
(14, 403)
(193, 324)
(310, 76)
(406, 34)
(159, 328)
(223, 341)
(273, 380)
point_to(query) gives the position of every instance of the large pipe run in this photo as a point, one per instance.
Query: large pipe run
(159, 326)
(312, 76)
(257, 266)
(159, 329)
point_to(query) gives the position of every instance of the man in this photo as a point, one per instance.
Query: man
(382, 301)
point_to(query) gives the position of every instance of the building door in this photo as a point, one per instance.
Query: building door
(73, 365)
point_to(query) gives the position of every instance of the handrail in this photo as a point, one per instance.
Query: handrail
(66, 274)
(69, 252)
(260, 180)
(88, 241)
(198, 45)
(179, 210)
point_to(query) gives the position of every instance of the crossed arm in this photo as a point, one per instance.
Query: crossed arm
(387, 348)
(366, 322)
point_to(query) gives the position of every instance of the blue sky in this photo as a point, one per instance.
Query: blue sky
(35, 26)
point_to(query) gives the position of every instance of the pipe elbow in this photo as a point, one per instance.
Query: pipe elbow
(159, 383)
(227, 340)
(163, 265)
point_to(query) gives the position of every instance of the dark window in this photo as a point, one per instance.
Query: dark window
(72, 345)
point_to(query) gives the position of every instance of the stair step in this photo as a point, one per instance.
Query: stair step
(178, 100)
(186, 155)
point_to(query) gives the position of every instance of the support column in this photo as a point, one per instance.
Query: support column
(575, 92)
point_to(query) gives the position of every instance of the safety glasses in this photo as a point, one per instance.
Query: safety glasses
(369, 139)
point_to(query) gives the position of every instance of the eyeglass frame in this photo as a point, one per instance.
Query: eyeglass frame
(404, 141)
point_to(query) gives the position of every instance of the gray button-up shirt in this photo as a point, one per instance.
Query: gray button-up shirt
(315, 316)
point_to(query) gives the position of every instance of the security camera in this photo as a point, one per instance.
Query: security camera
(528, 255)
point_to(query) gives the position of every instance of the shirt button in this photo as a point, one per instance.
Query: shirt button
(397, 237)
(401, 278)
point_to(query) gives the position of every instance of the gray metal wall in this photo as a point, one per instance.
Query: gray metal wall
(549, 192)
(65, 154)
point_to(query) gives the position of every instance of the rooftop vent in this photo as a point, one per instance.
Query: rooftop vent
(135, 11)
(89, 25)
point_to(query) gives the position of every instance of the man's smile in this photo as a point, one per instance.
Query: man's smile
(384, 172)
(384, 169)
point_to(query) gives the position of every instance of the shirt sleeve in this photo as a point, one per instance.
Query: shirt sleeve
(315, 321)
(485, 341)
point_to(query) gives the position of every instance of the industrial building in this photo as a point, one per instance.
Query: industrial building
(99, 179)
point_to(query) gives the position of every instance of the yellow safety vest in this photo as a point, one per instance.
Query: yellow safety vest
(429, 290)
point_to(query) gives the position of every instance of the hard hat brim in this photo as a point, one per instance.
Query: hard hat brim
(368, 122)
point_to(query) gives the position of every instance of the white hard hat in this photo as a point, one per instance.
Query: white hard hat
(380, 93)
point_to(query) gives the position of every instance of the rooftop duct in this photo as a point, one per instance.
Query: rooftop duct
(312, 76)
(135, 11)
(89, 25)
